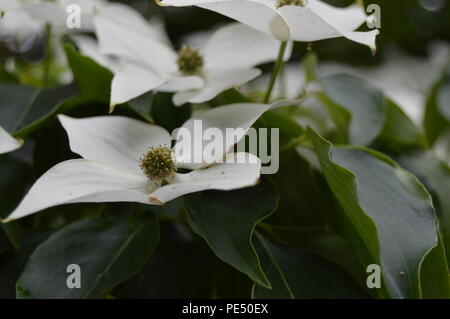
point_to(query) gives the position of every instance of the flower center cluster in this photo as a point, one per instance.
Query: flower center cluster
(189, 60)
(158, 164)
(282, 3)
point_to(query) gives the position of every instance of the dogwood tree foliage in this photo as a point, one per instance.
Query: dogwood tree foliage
(92, 173)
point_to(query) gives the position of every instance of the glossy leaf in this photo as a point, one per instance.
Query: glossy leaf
(389, 208)
(298, 274)
(226, 221)
(24, 108)
(437, 112)
(93, 79)
(107, 254)
(374, 119)
(177, 269)
(435, 175)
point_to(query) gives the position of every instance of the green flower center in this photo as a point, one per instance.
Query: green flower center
(189, 60)
(282, 3)
(158, 164)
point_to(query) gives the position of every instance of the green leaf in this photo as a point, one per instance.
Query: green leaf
(443, 101)
(93, 79)
(24, 108)
(437, 111)
(226, 221)
(107, 253)
(389, 208)
(302, 202)
(229, 97)
(166, 114)
(435, 175)
(374, 119)
(94, 82)
(13, 262)
(13, 232)
(434, 274)
(15, 178)
(296, 273)
(288, 127)
(177, 269)
(320, 241)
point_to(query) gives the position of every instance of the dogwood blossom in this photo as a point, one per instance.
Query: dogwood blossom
(23, 18)
(7, 142)
(131, 161)
(16, 22)
(196, 75)
(299, 20)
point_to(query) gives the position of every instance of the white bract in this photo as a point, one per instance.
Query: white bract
(7, 142)
(16, 22)
(125, 160)
(299, 20)
(150, 63)
(23, 18)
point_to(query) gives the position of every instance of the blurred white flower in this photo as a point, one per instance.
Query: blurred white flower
(299, 20)
(125, 160)
(16, 22)
(7, 142)
(196, 75)
(23, 18)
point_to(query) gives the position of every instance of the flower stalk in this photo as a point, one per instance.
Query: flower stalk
(276, 70)
(48, 56)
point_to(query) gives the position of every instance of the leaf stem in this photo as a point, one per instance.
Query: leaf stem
(276, 70)
(48, 56)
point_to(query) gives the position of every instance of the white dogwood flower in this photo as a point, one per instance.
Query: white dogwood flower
(299, 20)
(24, 18)
(196, 75)
(125, 160)
(16, 22)
(7, 142)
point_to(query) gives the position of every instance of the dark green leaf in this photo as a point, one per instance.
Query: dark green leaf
(229, 97)
(302, 202)
(320, 241)
(436, 119)
(15, 178)
(13, 262)
(166, 114)
(296, 273)
(226, 221)
(443, 101)
(177, 269)
(435, 175)
(24, 108)
(107, 253)
(389, 208)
